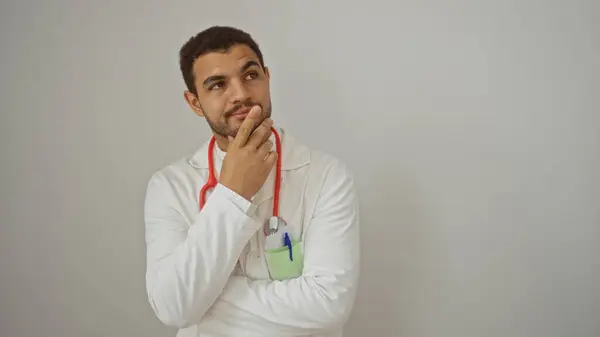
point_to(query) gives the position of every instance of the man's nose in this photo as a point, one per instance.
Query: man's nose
(239, 93)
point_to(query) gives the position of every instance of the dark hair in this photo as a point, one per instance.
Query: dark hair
(215, 38)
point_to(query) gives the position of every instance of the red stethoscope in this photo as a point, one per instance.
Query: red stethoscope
(274, 223)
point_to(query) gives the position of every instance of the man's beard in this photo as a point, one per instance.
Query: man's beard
(223, 129)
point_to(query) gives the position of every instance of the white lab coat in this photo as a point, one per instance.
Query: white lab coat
(206, 270)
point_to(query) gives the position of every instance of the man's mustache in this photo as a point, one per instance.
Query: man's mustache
(233, 110)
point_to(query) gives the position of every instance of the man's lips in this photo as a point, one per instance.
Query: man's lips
(241, 113)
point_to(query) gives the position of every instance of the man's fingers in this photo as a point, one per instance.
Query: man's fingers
(261, 134)
(271, 159)
(247, 126)
(265, 149)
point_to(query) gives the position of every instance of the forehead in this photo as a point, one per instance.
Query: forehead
(223, 62)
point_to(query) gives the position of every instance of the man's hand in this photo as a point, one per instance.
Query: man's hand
(249, 158)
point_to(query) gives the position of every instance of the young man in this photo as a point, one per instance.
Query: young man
(270, 246)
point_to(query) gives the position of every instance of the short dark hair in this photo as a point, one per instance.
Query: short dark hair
(215, 38)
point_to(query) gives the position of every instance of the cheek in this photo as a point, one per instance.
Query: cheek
(216, 107)
(262, 93)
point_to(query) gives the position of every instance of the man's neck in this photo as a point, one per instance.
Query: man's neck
(222, 142)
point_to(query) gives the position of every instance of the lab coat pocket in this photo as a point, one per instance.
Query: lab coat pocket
(283, 265)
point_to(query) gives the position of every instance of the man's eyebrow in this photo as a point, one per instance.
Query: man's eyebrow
(249, 64)
(213, 79)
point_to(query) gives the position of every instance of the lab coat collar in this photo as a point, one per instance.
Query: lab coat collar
(294, 154)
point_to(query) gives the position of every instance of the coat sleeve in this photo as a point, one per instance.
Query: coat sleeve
(189, 264)
(322, 298)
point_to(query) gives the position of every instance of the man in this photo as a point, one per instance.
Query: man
(216, 265)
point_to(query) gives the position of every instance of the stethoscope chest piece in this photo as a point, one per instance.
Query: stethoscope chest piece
(273, 225)
(276, 234)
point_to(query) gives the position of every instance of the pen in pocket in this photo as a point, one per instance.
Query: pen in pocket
(287, 242)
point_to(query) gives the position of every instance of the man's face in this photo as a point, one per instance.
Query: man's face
(228, 85)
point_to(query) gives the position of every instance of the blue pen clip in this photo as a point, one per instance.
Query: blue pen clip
(287, 242)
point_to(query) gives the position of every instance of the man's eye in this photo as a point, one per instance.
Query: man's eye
(251, 75)
(215, 86)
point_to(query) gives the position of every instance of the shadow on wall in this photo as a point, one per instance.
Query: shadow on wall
(394, 257)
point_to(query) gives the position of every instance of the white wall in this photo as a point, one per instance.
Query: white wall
(472, 128)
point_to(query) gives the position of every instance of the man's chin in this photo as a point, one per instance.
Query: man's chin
(236, 123)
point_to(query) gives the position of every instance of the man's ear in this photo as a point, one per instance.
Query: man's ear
(267, 73)
(192, 101)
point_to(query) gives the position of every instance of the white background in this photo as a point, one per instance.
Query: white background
(472, 128)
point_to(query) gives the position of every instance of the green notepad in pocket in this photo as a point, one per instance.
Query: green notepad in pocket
(280, 265)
